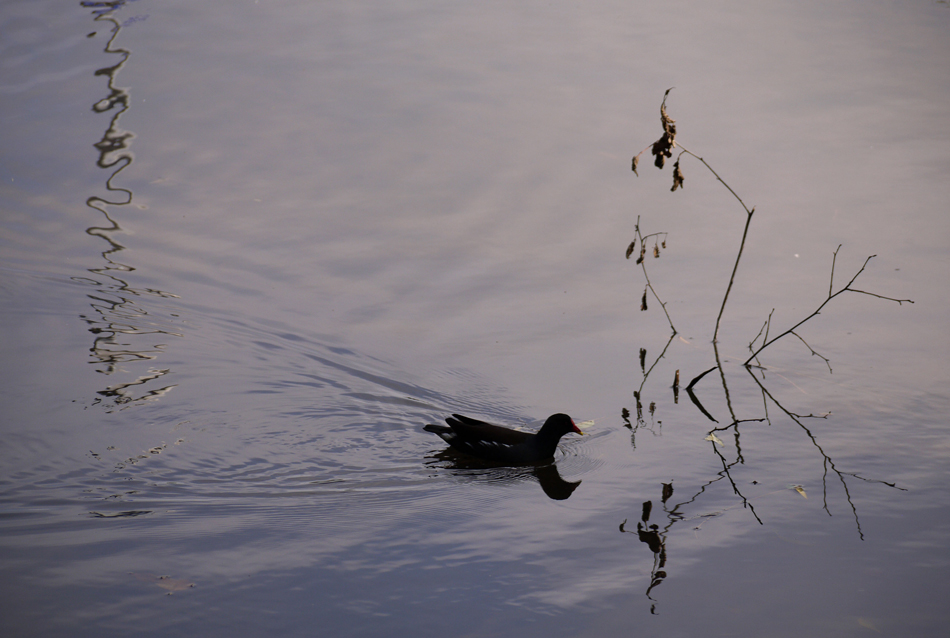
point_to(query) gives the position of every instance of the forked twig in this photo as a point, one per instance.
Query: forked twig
(831, 295)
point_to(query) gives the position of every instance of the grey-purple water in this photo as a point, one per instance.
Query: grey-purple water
(247, 250)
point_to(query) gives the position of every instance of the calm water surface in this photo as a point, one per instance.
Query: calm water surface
(248, 250)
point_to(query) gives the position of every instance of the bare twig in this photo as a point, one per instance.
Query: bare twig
(823, 358)
(646, 373)
(698, 377)
(732, 278)
(729, 188)
(831, 295)
(695, 399)
(763, 332)
(745, 231)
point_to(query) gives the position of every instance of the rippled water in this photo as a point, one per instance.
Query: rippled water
(247, 251)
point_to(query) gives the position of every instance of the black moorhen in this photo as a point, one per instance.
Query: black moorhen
(502, 445)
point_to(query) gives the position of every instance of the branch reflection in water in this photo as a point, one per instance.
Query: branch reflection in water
(655, 539)
(124, 331)
(652, 534)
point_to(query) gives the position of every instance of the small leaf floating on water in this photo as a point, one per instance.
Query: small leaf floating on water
(171, 585)
(174, 584)
(586, 425)
(867, 624)
(715, 439)
(800, 490)
(630, 248)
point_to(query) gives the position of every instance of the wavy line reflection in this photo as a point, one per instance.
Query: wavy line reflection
(124, 330)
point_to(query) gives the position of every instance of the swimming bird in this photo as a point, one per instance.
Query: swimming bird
(503, 445)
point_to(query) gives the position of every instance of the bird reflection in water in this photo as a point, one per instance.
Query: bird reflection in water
(469, 468)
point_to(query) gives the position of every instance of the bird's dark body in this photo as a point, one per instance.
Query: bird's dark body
(503, 445)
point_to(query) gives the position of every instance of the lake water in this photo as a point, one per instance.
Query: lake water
(249, 249)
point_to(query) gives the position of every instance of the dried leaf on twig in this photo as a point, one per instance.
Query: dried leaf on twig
(669, 124)
(630, 248)
(663, 147)
(677, 176)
